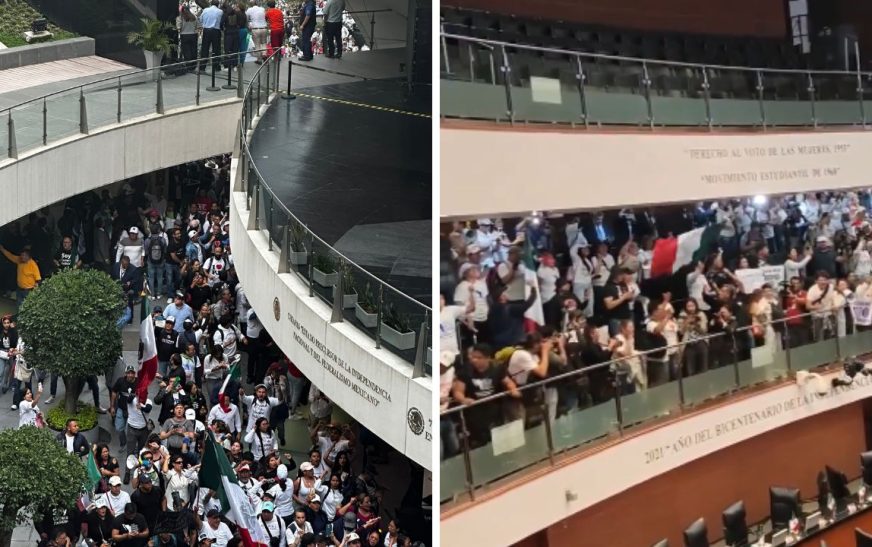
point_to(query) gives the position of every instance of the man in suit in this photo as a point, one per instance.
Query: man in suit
(599, 232)
(73, 441)
(130, 278)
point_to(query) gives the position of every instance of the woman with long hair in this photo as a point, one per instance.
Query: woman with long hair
(693, 326)
(276, 383)
(106, 465)
(215, 367)
(188, 36)
(306, 486)
(27, 409)
(260, 439)
(283, 494)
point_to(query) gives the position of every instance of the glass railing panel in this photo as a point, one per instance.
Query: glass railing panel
(836, 99)
(473, 100)
(139, 94)
(101, 102)
(181, 90)
(708, 385)
(814, 354)
(768, 362)
(786, 99)
(402, 321)
(640, 403)
(583, 425)
(360, 297)
(677, 95)
(452, 480)
(512, 447)
(28, 125)
(62, 115)
(4, 135)
(323, 271)
(548, 91)
(614, 93)
(858, 343)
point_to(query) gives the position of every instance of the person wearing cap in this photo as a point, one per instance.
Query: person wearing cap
(213, 529)
(130, 245)
(352, 539)
(306, 486)
(130, 528)
(122, 392)
(298, 528)
(259, 405)
(130, 278)
(315, 515)
(179, 311)
(149, 499)
(165, 338)
(27, 275)
(249, 485)
(450, 315)
(137, 427)
(99, 521)
(177, 431)
(175, 258)
(472, 285)
(272, 525)
(116, 498)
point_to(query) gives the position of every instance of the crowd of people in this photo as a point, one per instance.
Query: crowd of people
(170, 248)
(603, 315)
(216, 27)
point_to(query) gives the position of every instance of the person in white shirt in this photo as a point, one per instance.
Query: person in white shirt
(272, 525)
(116, 498)
(448, 318)
(261, 440)
(530, 360)
(861, 259)
(282, 493)
(227, 336)
(214, 529)
(256, 17)
(259, 404)
(472, 285)
(487, 241)
(548, 276)
(337, 439)
(131, 245)
(662, 323)
(820, 300)
(604, 265)
(629, 368)
(794, 266)
(27, 409)
(177, 481)
(698, 285)
(584, 267)
(298, 528)
(513, 274)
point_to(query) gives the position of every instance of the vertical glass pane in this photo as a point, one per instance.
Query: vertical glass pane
(581, 426)
(785, 99)
(28, 125)
(734, 99)
(836, 99)
(101, 100)
(401, 323)
(650, 403)
(139, 94)
(473, 100)
(677, 95)
(4, 135)
(453, 478)
(548, 90)
(813, 355)
(524, 448)
(614, 93)
(62, 115)
(856, 344)
(709, 384)
(181, 90)
(767, 363)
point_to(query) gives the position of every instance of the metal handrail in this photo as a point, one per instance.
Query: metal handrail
(638, 355)
(203, 60)
(640, 60)
(244, 149)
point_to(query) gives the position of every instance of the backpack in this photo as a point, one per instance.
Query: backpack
(156, 249)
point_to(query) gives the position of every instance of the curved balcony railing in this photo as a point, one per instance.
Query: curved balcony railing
(87, 107)
(501, 81)
(392, 319)
(732, 365)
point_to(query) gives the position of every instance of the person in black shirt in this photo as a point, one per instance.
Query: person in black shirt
(169, 395)
(130, 529)
(175, 259)
(618, 298)
(166, 344)
(199, 292)
(123, 391)
(482, 378)
(316, 516)
(100, 522)
(67, 257)
(149, 500)
(8, 342)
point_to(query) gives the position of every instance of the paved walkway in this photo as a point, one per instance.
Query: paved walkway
(14, 79)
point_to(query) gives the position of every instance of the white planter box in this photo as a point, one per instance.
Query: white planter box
(299, 257)
(325, 279)
(369, 320)
(349, 300)
(401, 341)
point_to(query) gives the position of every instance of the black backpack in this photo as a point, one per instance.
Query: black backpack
(155, 249)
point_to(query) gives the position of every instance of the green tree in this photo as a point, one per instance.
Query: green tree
(69, 326)
(36, 474)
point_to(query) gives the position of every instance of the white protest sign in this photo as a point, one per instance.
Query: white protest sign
(862, 311)
(773, 275)
(751, 278)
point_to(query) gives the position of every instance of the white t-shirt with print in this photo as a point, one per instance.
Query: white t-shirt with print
(520, 365)
(219, 537)
(448, 318)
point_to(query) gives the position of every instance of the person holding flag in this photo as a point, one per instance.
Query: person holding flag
(225, 410)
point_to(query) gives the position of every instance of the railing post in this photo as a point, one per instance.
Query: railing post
(285, 254)
(681, 380)
(444, 48)
(254, 211)
(381, 301)
(372, 31)
(646, 84)
(159, 104)
(835, 323)
(619, 410)
(12, 148)
(118, 112)
(707, 95)
(506, 69)
(860, 96)
(338, 293)
(83, 113)
(266, 86)
(579, 81)
(229, 84)
(418, 370)
(197, 96)
(811, 100)
(269, 219)
(213, 87)
(239, 74)
(278, 62)
(547, 420)
(735, 360)
(785, 341)
(258, 92)
(467, 463)
(760, 99)
(471, 62)
(44, 122)
(311, 263)
(290, 96)
(243, 163)
(249, 100)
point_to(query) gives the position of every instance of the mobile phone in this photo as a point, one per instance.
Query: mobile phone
(329, 530)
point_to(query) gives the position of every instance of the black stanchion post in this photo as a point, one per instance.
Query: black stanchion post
(228, 85)
(213, 87)
(289, 96)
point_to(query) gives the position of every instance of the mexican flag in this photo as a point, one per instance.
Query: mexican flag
(217, 474)
(233, 373)
(148, 363)
(93, 471)
(670, 254)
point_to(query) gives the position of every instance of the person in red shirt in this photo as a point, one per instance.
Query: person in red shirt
(276, 22)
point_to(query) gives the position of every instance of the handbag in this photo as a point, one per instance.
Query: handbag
(39, 421)
(149, 423)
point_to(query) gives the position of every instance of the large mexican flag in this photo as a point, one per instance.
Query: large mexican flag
(148, 363)
(217, 474)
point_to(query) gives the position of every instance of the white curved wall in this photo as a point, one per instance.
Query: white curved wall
(373, 385)
(612, 470)
(80, 163)
(505, 171)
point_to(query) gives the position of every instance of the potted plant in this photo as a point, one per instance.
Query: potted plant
(349, 291)
(395, 329)
(298, 254)
(153, 40)
(366, 309)
(324, 270)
